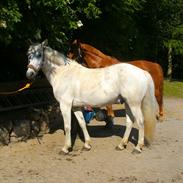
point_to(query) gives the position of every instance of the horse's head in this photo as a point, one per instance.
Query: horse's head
(75, 51)
(35, 59)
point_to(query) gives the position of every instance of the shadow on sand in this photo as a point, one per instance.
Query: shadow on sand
(100, 131)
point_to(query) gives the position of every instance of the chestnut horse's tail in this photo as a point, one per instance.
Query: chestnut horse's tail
(149, 109)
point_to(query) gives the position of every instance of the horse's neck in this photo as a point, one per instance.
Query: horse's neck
(95, 61)
(49, 69)
(52, 61)
(55, 57)
(98, 56)
(91, 49)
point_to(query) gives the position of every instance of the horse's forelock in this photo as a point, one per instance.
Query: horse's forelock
(34, 47)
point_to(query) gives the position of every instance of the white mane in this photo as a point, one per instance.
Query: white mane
(56, 57)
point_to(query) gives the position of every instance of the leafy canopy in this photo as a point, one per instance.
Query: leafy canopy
(39, 19)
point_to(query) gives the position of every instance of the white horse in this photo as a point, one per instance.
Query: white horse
(75, 86)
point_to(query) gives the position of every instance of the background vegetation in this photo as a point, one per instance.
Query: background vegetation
(173, 89)
(127, 29)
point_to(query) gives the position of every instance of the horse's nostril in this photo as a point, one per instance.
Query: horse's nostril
(31, 74)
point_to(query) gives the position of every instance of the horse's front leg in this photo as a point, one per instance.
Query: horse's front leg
(79, 115)
(66, 113)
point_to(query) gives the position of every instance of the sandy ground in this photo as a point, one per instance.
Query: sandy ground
(31, 162)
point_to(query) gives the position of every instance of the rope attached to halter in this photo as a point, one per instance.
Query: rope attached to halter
(28, 85)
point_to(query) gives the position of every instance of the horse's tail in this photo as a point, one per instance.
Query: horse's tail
(149, 109)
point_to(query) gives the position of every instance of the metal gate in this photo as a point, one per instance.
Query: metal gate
(38, 95)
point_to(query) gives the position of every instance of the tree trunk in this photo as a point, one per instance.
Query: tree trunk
(170, 65)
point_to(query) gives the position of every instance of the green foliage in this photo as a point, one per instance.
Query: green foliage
(127, 29)
(9, 16)
(116, 28)
(134, 29)
(39, 19)
(134, 5)
(176, 40)
(91, 11)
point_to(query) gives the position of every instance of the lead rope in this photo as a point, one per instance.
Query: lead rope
(28, 85)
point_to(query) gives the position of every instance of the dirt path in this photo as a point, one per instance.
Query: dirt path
(31, 162)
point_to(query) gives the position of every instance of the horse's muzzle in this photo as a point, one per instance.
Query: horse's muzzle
(30, 74)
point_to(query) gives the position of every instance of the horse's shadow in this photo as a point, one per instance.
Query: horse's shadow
(100, 131)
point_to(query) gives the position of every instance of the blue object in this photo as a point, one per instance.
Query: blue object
(88, 115)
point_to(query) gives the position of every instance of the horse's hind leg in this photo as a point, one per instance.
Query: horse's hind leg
(82, 123)
(137, 112)
(110, 116)
(159, 99)
(159, 95)
(110, 112)
(125, 138)
(133, 113)
(129, 123)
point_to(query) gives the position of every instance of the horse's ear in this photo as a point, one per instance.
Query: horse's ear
(78, 41)
(45, 42)
(29, 42)
(74, 42)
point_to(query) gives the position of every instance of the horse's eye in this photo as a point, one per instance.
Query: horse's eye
(38, 54)
(30, 56)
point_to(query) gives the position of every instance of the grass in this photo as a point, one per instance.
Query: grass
(173, 89)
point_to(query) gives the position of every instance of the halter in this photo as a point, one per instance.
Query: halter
(79, 57)
(32, 67)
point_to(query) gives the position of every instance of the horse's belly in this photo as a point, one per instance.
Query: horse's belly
(95, 100)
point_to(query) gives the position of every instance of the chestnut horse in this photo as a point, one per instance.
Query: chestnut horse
(91, 57)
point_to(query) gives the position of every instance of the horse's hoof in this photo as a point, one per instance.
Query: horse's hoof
(109, 122)
(136, 151)
(161, 119)
(120, 148)
(86, 147)
(109, 125)
(63, 153)
(146, 143)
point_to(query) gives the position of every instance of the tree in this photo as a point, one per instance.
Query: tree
(159, 28)
(175, 47)
(127, 29)
(116, 28)
(21, 20)
(9, 17)
(39, 19)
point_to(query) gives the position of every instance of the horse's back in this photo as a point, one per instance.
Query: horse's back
(151, 67)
